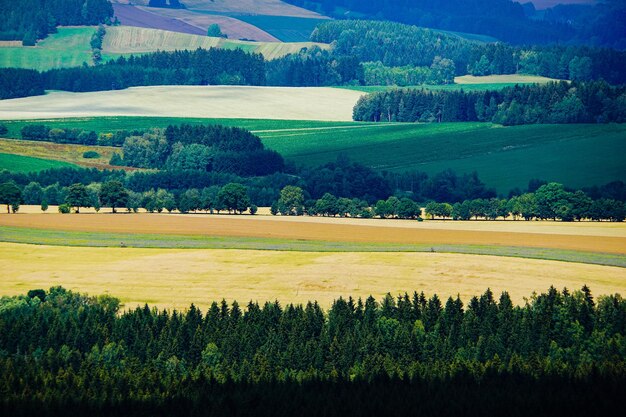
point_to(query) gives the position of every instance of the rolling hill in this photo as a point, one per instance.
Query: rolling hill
(265, 20)
(504, 157)
(70, 46)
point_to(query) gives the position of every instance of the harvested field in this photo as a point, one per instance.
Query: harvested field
(128, 39)
(234, 28)
(285, 103)
(268, 7)
(177, 278)
(506, 79)
(340, 231)
(132, 16)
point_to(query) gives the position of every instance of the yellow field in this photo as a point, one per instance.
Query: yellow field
(175, 278)
(285, 103)
(128, 39)
(502, 79)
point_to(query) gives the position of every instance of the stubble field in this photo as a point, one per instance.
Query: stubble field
(285, 103)
(176, 278)
(198, 258)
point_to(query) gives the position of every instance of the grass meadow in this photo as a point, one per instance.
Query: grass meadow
(69, 47)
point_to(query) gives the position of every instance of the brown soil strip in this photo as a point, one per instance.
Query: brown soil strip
(251, 227)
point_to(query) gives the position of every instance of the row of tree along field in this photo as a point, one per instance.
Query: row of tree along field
(63, 351)
(550, 201)
(342, 178)
(562, 102)
(231, 198)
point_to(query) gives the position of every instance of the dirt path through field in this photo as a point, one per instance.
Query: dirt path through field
(248, 226)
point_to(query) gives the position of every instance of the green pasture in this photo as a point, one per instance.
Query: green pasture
(18, 163)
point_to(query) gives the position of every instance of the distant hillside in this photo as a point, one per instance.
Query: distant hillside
(264, 20)
(601, 25)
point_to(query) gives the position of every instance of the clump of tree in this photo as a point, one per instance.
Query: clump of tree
(214, 31)
(11, 196)
(440, 72)
(113, 194)
(562, 102)
(96, 44)
(200, 148)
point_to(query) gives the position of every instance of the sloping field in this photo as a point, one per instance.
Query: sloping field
(258, 227)
(288, 103)
(177, 278)
(67, 48)
(132, 16)
(234, 28)
(285, 28)
(268, 7)
(504, 157)
(128, 39)
(72, 154)
(18, 163)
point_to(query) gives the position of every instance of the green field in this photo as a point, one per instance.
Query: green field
(70, 46)
(18, 163)
(285, 28)
(161, 241)
(504, 157)
(67, 48)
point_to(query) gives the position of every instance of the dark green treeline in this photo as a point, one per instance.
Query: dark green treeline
(560, 351)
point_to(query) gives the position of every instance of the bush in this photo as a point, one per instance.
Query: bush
(64, 208)
(91, 155)
(253, 209)
(3, 130)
